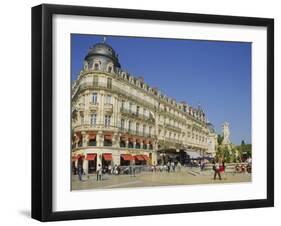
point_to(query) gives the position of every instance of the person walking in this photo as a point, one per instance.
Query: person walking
(222, 170)
(216, 168)
(99, 172)
(80, 172)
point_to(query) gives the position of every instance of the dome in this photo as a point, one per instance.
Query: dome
(103, 54)
(211, 127)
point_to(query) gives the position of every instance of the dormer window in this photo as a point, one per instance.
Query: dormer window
(96, 66)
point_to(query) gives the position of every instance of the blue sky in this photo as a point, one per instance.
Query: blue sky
(214, 74)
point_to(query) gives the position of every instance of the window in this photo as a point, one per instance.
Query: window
(137, 128)
(130, 126)
(82, 119)
(138, 110)
(109, 83)
(149, 131)
(109, 69)
(95, 98)
(108, 99)
(144, 112)
(122, 124)
(123, 104)
(130, 106)
(95, 81)
(96, 66)
(143, 129)
(93, 119)
(107, 120)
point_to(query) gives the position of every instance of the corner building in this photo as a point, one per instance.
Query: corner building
(118, 119)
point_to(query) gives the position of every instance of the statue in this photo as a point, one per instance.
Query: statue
(226, 134)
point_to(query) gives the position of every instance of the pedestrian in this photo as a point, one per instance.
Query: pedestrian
(168, 167)
(173, 166)
(179, 166)
(99, 172)
(80, 172)
(222, 170)
(109, 169)
(216, 168)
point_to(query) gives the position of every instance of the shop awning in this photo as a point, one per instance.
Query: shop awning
(127, 157)
(108, 137)
(80, 156)
(92, 136)
(145, 141)
(123, 138)
(91, 156)
(139, 157)
(145, 157)
(193, 154)
(107, 156)
(74, 157)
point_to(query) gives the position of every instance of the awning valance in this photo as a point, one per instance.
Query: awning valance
(193, 154)
(127, 157)
(145, 157)
(91, 156)
(107, 156)
(92, 136)
(139, 157)
(108, 137)
(123, 138)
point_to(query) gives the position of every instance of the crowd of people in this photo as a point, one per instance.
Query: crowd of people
(218, 167)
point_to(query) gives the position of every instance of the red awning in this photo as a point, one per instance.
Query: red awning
(132, 139)
(107, 156)
(146, 158)
(127, 157)
(139, 157)
(108, 137)
(92, 136)
(123, 138)
(145, 141)
(91, 156)
(80, 156)
(74, 157)
(79, 136)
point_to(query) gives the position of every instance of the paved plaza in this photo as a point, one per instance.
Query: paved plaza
(186, 176)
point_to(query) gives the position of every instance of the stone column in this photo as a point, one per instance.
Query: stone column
(127, 143)
(84, 139)
(85, 165)
(99, 159)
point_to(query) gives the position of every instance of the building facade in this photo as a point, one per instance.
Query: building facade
(118, 119)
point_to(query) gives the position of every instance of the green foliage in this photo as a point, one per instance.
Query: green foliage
(233, 153)
(220, 139)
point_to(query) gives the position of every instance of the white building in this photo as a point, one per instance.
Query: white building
(118, 118)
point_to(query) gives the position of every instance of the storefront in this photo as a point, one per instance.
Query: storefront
(125, 159)
(92, 162)
(106, 161)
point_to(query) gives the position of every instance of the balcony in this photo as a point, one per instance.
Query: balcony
(80, 107)
(172, 127)
(134, 132)
(134, 114)
(93, 106)
(108, 108)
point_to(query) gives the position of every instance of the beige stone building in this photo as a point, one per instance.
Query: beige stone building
(118, 119)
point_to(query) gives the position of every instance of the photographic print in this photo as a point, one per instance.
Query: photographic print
(159, 112)
(137, 112)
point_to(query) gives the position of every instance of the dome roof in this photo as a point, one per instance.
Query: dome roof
(104, 54)
(211, 127)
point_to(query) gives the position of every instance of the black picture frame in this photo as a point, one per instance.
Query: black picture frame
(42, 84)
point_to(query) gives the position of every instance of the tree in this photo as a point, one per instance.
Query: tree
(220, 139)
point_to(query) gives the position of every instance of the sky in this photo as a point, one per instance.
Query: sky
(213, 74)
